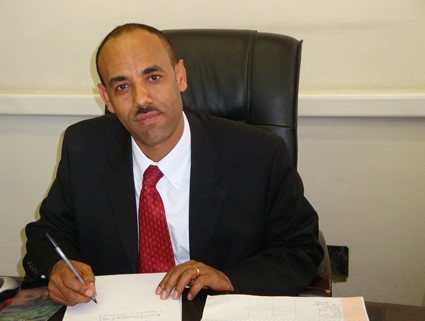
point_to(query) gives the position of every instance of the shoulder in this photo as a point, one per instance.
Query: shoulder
(231, 132)
(233, 141)
(102, 124)
(224, 126)
(96, 134)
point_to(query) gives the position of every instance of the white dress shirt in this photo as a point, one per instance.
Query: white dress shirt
(173, 188)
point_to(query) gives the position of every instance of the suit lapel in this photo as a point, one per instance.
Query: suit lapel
(206, 197)
(120, 189)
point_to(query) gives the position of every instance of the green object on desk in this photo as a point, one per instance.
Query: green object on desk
(30, 305)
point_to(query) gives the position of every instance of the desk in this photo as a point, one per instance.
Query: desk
(192, 311)
(394, 312)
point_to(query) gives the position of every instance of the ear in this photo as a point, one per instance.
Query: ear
(181, 75)
(105, 97)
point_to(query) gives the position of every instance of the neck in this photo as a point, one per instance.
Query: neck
(159, 151)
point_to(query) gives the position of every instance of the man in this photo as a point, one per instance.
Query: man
(233, 201)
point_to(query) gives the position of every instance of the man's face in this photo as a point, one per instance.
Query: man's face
(143, 88)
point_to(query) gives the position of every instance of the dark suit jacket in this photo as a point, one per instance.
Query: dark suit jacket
(247, 214)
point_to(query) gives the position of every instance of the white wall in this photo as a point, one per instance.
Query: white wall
(361, 58)
(349, 45)
(366, 179)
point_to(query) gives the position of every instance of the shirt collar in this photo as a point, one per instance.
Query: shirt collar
(173, 165)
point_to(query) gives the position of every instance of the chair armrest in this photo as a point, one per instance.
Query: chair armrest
(322, 283)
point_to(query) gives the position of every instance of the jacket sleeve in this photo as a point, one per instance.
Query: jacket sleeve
(56, 218)
(291, 253)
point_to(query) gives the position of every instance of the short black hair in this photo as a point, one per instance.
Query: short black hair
(131, 27)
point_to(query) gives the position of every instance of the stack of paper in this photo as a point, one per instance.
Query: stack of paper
(132, 297)
(262, 308)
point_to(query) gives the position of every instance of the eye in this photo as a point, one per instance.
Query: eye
(154, 78)
(121, 87)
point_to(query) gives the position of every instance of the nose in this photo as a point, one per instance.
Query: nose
(141, 95)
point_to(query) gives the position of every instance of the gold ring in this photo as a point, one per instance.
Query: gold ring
(197, 270)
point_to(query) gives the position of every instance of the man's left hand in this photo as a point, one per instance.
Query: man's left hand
(195, 274)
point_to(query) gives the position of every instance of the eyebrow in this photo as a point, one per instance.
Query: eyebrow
(145, 71)
(116, 79)
(151, 69)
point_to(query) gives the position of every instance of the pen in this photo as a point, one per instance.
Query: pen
(5, 304)
(65, 259)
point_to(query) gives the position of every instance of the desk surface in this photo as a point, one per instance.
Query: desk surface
(192, 311)
(394, 312)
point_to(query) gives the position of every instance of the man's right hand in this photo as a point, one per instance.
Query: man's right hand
(65, 289)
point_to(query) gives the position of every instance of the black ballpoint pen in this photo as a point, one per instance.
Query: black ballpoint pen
(65, 259)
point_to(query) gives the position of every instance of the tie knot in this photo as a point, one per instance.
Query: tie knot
(151, 176)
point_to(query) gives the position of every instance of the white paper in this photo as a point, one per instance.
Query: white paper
(262, 308)
(128, 297)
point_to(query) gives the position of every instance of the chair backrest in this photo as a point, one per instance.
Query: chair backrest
(243, 75)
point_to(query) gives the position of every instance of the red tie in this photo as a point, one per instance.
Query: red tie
(155, 250)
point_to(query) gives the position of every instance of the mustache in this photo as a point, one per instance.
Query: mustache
(145, 110)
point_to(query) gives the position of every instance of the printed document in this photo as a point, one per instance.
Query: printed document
(262, 308)
(126, 297)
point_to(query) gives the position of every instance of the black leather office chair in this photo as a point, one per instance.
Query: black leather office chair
(251, 77)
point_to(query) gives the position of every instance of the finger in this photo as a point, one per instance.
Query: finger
(73, 290)
(188, 276)
(88, 277)
(56, 288)
(170, 280)
(65, 288)
(212, 279)
(59, 293)
(165, 280)
(169, 283)
(70, 281)
(85, 271)
(195, 288)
